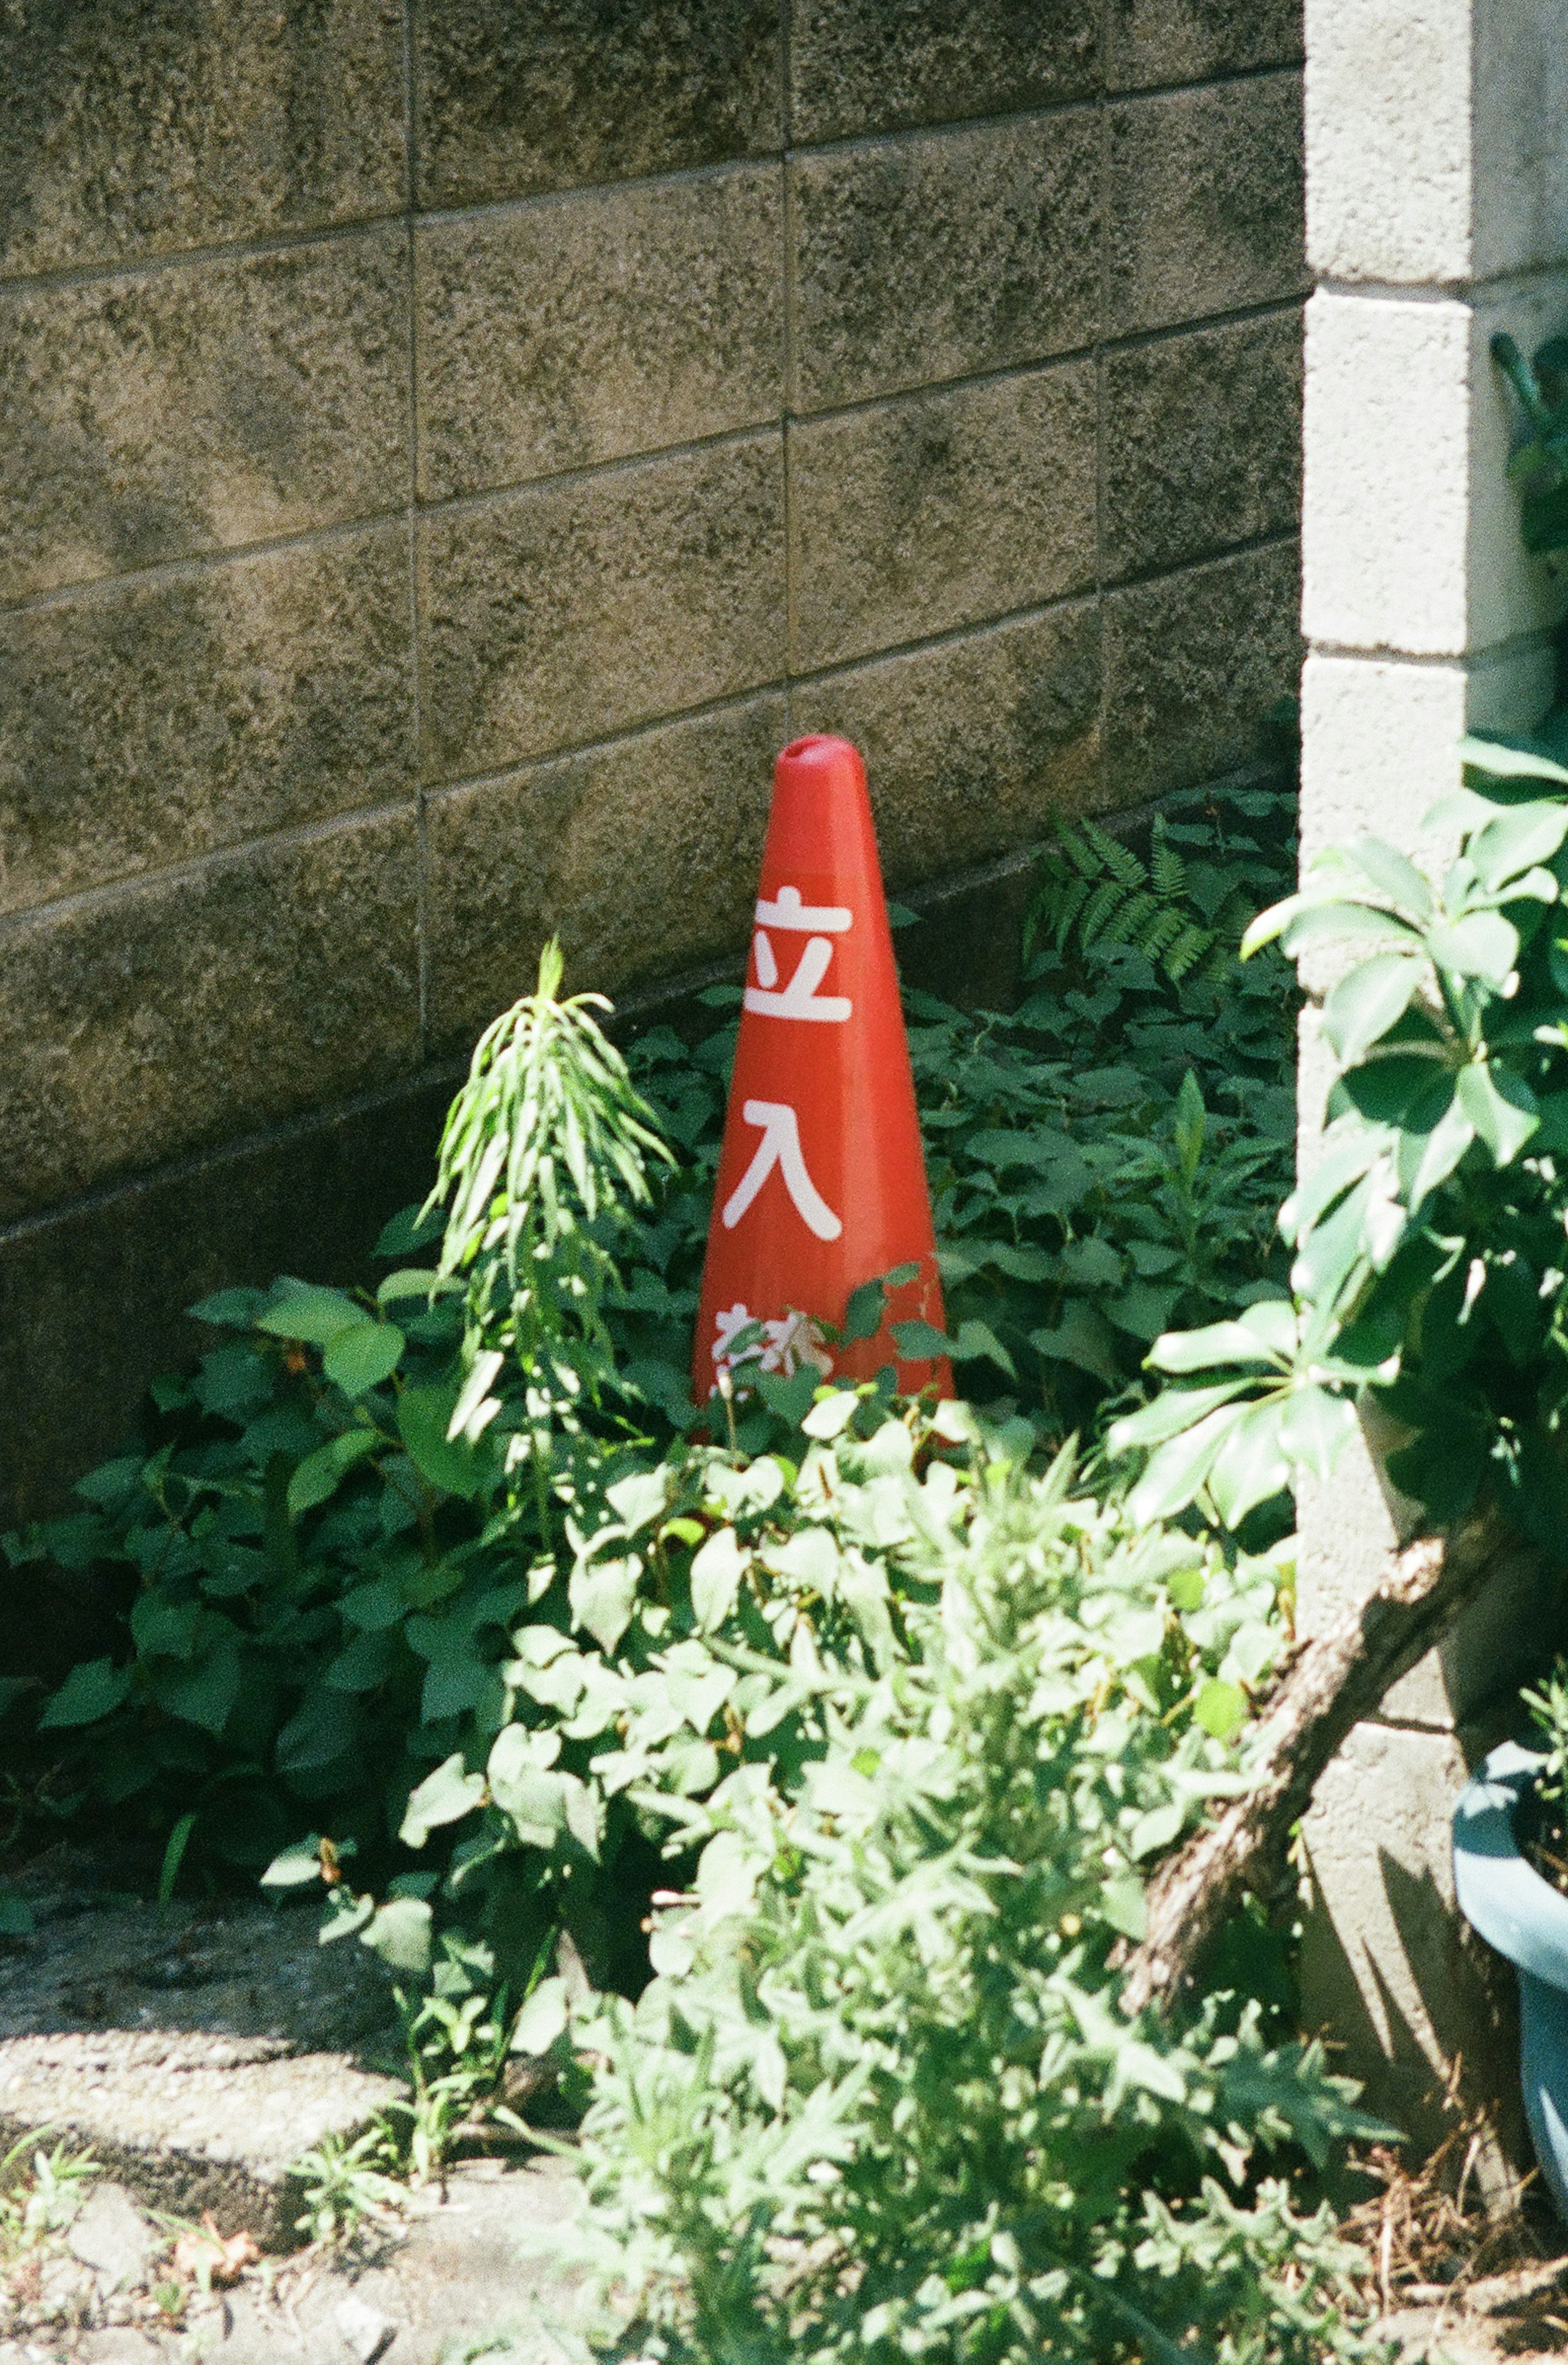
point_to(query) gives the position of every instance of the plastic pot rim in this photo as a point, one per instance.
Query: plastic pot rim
(1499, 1891)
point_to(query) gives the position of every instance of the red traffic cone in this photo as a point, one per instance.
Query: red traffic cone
(822, 1182)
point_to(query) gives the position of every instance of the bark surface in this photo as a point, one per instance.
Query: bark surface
(1329, 1685)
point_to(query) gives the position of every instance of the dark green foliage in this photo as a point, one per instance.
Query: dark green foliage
(1105, 1161)
(1429, 1235)
(878, 2102)
(1541, 461)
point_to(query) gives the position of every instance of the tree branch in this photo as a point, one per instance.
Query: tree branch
(1330, 1685)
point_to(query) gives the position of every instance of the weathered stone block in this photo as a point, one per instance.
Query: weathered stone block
(1204, 201)
(1151, 41)
(1193, 663)
(974, 747)
(119, 1269)
(1438, 138)
(1202, 442)
(643, 856)
(169, 412)
(572, 609)
(858, 65)
(149, 722)
(1407, 428)
(138, 127)
(515, 100)
(943, 255)
(610, 322)
(1388, 1970)
(169, 1015)
(941, 508)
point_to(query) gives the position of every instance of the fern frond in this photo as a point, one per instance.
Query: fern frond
(1189, 949)
(1105, 902)
(1165, 866)
(1118, 860)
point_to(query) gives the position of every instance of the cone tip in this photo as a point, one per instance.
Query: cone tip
(820, 753)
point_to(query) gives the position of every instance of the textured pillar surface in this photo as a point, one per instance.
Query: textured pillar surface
(1437, 215)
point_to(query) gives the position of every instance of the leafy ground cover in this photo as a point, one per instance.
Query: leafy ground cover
(449, 1613)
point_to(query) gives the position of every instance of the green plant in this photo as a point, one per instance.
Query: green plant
(879, 2101)
(1429, 1234)
(1548, 1714)
(344, 2183)
(41, 2193)
(545, 1150)
(1541, 461)
(1087, 1195)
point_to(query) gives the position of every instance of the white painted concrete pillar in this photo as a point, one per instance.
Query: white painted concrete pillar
(1436, 143)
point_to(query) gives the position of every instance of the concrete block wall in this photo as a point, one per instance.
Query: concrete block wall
(1438, 214)
(450, 444)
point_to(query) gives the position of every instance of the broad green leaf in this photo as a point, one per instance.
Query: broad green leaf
(1220, 1709)
(917, 1343)
(1437, 1138)
(1176, 1472)
(1169, 1414)
(1313, 1428)
(317, 1733)
(1358, 925)
(1082, 1337)
(833, 1416)
(603, 1594)
(1516, 841)
(1501, 1107)
(639, 1498)
(1510, 763)
(90, 1690)
(1365, 1003)
(977, 1339)
(1270, 924)
(399, 1932)
(450, 1464)
(295, 1865)
(207, 1692)
(445, 1796)
(1395, 876)
(1251, 1464)
(543, 2018)
(1271, 1341)
(321, 1473)
(360, 1358)
(299, 1309)
(716, 1572)
(1482, 944)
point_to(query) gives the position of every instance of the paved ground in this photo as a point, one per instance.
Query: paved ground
(450, 2276)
